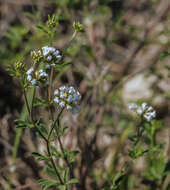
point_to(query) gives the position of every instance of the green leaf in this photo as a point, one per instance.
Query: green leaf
(51, 172)
(45, 183)
(40, 102)
(59, 67)
(43, 130)
(118, 178)
(42, 28)
(167, 95)
(66, 174)
(55, 152)
(62, 187)
(23, 124)
(164, 55)
(72, 155)
(72, 181)
(39, 156)
(62, 131)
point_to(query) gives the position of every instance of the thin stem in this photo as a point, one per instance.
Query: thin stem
(70, 41)
(50, 85)
(53, 164)
(45, 139)
(49, 92)
(61, 145)
(31, 110)
(48, 147)
(26, 101)
(65, 157)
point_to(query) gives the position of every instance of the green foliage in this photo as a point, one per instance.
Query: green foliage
(23, 124)
(45, 183)
(58, 160)
(164, 55)
(40, 157)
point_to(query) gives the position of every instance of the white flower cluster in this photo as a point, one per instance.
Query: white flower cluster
(67, 97)
(30, 76)
(51, 55)
(35, 77)
(147, 111)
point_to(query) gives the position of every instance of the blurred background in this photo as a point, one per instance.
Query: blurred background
(116, 60)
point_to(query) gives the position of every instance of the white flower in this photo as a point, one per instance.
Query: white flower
(71, 90)
(144, 106)
(56, 92)
(133, 107)
(139, 111)
(56, 99)
(62, 88)
(58, 56)
(33, 82)
(68, 107)
(29, 77)
(30, 71)
(53, 64)
(62, 104)
(77, 97)
(56, 53)
(62, 95)
(67, 97)
(49, 58)
(146, 111)
(51, 49)
(43, 74)
(70, 98)
(45, 50)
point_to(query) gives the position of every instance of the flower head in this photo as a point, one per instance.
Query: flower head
(34, 77)
(50, 56)
(67, 97)
(147, 112)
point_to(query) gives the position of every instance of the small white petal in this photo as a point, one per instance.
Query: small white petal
(62, 88)
(62, 104)
(30, 71)
(133, 107)
(144, 106)
(56, 53)
(49, 58)
(153, 114)
(139, 111)
(62, 95)
(33, 82)
(68, 107)
(56, 99)
(70, 98)
(53, 64)
(29, 77)
(56, 92)
(148, 117)
(150, 108)
(58, 56)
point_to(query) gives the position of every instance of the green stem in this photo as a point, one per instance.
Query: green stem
(70, 41)
(26, 101)
(32, 102)
(48, 147)
(63, 152)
